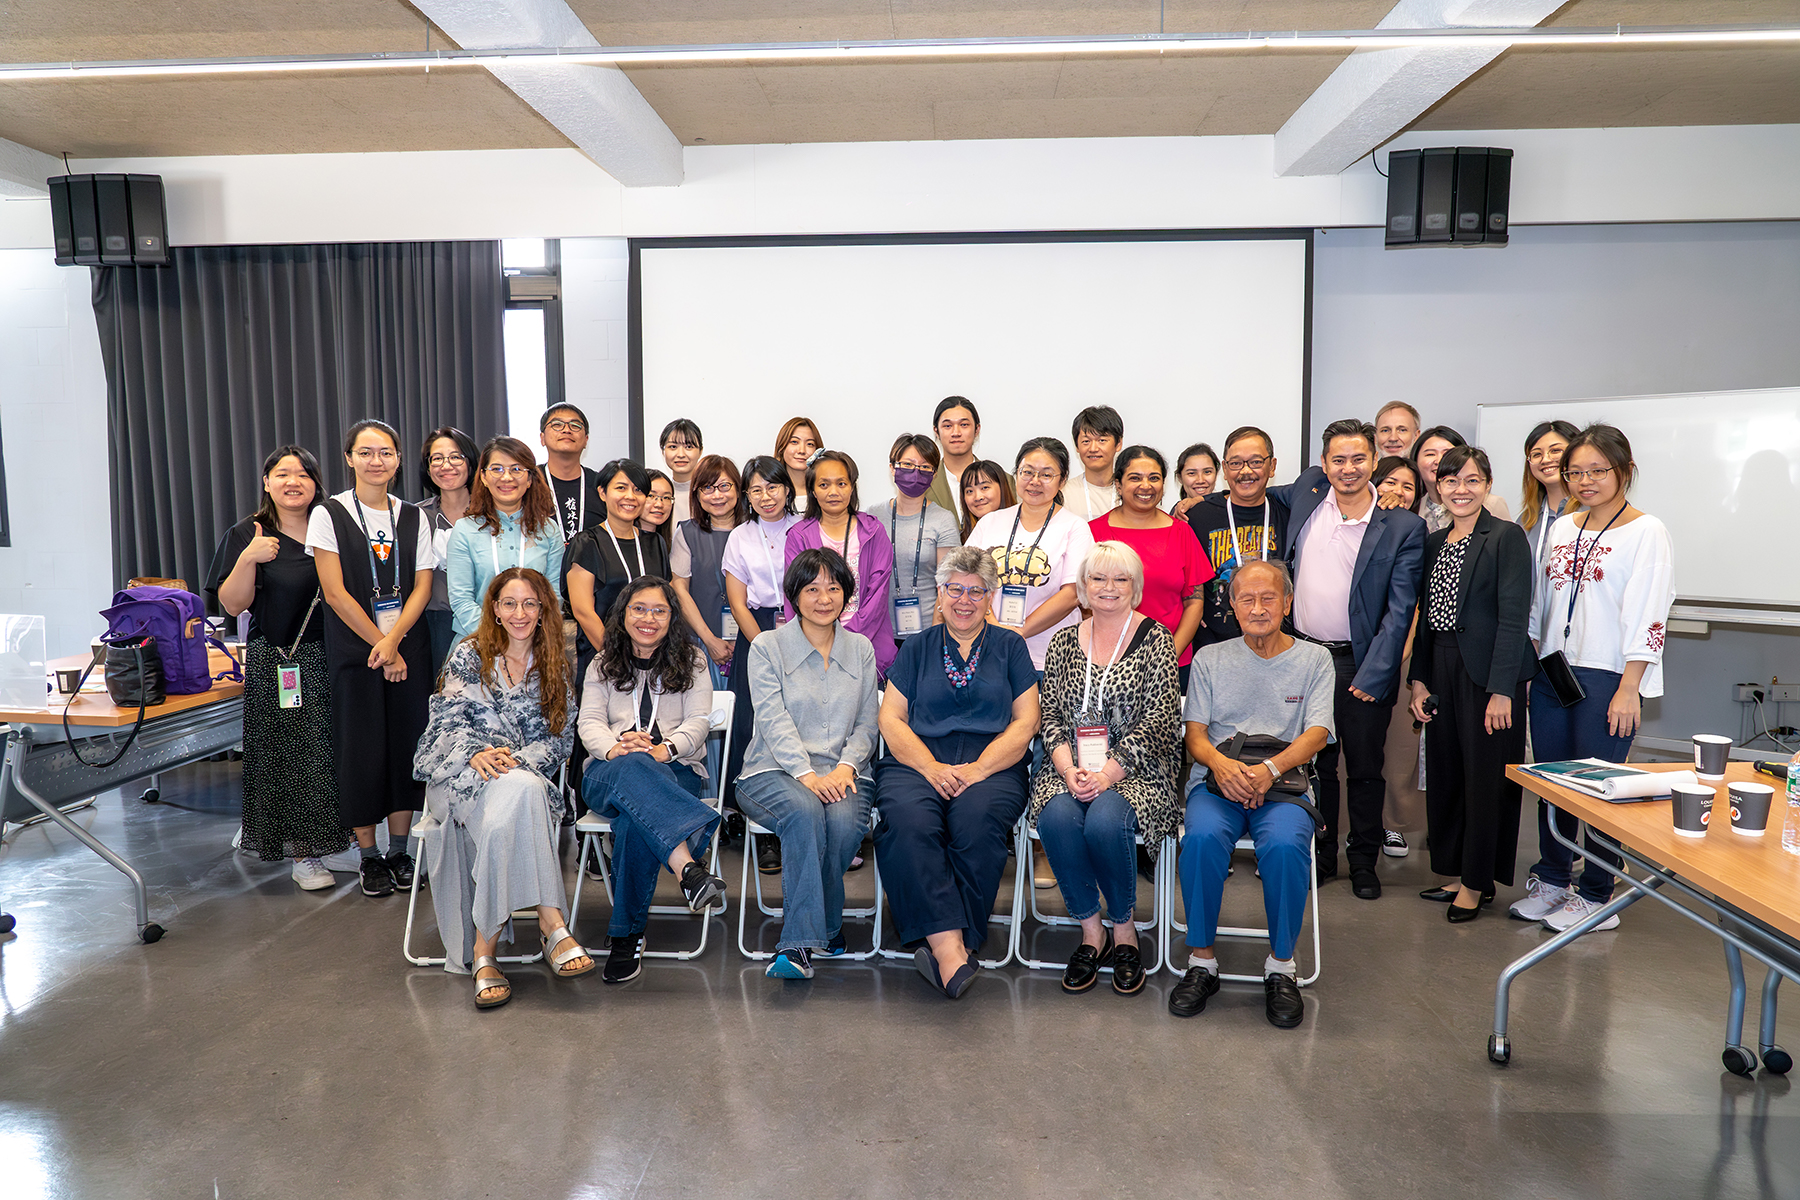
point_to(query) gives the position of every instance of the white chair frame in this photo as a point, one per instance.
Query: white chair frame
(1171, 926)
(430, 824)
(590, 827)
(1021, 881)
(746, 890)
(1156, 944)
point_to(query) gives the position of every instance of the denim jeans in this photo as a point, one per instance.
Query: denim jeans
(818, 840)
(654, 807)
(1283, 833)
(1093, 851)
(1579, 731)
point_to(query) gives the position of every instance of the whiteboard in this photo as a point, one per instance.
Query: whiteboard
(1720, 469)
(1188, 339)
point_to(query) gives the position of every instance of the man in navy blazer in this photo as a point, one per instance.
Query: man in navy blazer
(1356, 582)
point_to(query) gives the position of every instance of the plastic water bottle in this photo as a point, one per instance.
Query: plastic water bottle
(1790, 831)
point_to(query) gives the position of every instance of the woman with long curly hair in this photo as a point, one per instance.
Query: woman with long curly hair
(512, 522)
(500, 727)
(646, 707)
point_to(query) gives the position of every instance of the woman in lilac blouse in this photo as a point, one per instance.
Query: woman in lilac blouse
(833, 523)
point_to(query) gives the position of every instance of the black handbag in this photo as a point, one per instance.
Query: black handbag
(1294, 783)
(134, 675)
(1561, 677)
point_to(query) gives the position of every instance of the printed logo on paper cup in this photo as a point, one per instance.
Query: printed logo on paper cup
(1706, 816)
(1735, 814)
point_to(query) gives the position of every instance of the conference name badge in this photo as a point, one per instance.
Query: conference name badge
(387, 614)
(287, 685)
(1091, 748)
(907, 617)
(728, 627)
(1012, 604)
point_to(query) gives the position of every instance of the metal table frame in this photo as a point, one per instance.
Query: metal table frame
(1741, 934)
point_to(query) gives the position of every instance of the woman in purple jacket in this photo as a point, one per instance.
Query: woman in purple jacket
(833, 523)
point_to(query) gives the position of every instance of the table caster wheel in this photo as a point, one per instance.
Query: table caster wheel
(7, 921)
(151, 933)
(1738, 1060)
(1775, 1060)
(1499, 1049)
(151, 795)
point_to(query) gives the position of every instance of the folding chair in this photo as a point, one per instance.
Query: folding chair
(1171, 926)
(591, 826)
(751, 832)
(1154, 945)
(428, 826)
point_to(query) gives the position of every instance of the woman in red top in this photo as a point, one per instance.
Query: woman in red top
(1175, 567)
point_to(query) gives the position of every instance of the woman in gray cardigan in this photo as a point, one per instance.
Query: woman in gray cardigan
(646, 706)
(807, 772)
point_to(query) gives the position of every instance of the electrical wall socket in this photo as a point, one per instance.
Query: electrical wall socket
(1772, 693)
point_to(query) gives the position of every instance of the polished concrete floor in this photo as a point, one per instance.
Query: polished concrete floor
(274, 1044)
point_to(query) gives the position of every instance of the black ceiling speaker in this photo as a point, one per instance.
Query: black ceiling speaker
(109, 220)
(1448, 196)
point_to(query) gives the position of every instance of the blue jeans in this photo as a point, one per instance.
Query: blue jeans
(1283, 834)
(1093, 851)
(818, 840)
(1559, 733)
(654, 807)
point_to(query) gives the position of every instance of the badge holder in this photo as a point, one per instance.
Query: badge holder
(1012, 604)
(1091, 748)
(908, 617)
(728, 626)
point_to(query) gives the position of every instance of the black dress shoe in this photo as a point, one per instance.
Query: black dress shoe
(1188, 998)
(1128, 971)
(1282, 1000)
(1084, 965)
(1444, 895)
(768, 855)
(1365, 883)
(1459, 915)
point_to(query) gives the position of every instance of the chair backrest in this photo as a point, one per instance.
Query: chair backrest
(724, 710)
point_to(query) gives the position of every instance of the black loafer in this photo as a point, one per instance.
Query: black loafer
(1459, 915)
(1084, 965)
(1128, 971)
(1188, 998)
(961, 978)
(1282, 999)
(1444, 895)
(1365, 883)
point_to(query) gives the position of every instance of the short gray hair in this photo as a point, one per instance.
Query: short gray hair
(1110, 557)
(1275, 565)
(970, 560)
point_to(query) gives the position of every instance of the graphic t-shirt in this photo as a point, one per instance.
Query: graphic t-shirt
(321, 534)
(1042, 565)
(571, 512)
(1212, 525)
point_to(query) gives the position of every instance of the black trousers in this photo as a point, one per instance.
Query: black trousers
(1362, 741)
(743, 714)
(1471, 809)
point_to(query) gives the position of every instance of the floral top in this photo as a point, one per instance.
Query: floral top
(467, 718)
(1142, 714)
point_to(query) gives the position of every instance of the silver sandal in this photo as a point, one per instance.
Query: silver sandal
(557, 961)
(484, 985)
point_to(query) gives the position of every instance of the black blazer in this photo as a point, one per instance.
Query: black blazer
(1493, 608)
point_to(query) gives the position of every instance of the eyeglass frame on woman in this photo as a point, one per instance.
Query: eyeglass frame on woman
(956, 591)
(641, 611)
(529, 604)
(454, 459)
(372, 454)
(504, 470)
(1597, 474)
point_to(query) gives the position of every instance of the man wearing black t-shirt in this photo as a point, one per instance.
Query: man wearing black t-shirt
(1258, 521)
(563, 429)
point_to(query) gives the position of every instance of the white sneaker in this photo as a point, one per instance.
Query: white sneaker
(349, 861)
(1576, 910)
(1541, 899)
(1393, 843)
(237, 842)
(310, 874)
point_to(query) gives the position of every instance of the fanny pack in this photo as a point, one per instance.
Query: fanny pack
(1294, 783)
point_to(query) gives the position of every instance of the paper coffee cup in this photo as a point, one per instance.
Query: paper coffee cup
(1750, 808)
(1711, 752)
(1693, 809)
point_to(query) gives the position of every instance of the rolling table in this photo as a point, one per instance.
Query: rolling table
(40, 775)
(1746, 891)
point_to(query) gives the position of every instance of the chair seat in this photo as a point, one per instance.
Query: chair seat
(592, 822)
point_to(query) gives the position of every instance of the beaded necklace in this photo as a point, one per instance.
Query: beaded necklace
(959, 679)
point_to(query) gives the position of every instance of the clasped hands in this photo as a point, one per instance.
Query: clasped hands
(384, 656)
(951, 781)
(637, 741)
(493, 762)
(832, 786)
(1247, 785)
(1084, 784)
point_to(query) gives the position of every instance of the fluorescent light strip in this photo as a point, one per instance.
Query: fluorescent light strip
(951, 48)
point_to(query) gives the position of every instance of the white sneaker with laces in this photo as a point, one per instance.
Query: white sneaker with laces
(348, 861)
(310, 874)
(1576, 910)
(1393, 843)
(1541, 899)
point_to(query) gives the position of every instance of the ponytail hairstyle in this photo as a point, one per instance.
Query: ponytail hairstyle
(812, 470)
(1054, 448)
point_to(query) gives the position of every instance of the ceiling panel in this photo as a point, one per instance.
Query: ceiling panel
(87, 30)
(1599, 14)
(1562, 89)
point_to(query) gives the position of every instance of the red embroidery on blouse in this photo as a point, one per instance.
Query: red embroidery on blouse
(1654, 636)
(1561, 567)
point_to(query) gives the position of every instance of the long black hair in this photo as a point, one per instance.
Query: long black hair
(675, 660)
(265, 512)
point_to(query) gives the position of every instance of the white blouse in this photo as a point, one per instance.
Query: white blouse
(755, 555)
(1621, 614)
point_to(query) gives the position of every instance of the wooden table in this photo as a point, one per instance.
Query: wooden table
(1749, 886)
(43, 770)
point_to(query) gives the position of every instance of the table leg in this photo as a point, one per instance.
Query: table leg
(1499, 1045)
(1775, 1059)
(1738, 1060)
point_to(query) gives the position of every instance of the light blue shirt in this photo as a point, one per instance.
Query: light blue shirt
(475, 556)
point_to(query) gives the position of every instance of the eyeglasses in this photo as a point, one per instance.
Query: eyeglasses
(496, 471)
(957, 591)
(1541, 456)
(914, 465)
(447, 460)
(760, 492)
(1246, 464)
(723, 487)
(641, 611)
(1035, 476)
(1598, 474)
(507, 604)
(558, 425)
(370, 454)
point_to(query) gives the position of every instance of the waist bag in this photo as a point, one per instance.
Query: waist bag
(1294, 783)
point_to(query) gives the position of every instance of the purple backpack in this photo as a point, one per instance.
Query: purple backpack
(177, 621)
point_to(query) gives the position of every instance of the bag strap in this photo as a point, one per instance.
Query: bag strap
(68, 735)
(235, 672)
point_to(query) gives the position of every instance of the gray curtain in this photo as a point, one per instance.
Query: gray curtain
(233, 350)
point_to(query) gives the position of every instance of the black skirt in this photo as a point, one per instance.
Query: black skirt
(290, 792)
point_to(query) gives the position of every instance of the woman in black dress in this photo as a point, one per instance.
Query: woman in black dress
(603, 558)
(290, 795)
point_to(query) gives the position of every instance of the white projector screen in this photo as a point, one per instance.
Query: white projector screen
(1187, 337)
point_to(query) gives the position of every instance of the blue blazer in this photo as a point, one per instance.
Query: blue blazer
(1384, 588)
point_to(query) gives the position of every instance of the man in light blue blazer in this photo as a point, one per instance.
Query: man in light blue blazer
(1356, 583)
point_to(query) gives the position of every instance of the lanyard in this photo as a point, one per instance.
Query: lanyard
(369, 543)
(1575, 592)
(1231, 520)
(580, 504)
(494, 546)
(304, 621)
(769, 555)
(1545, 521)
(637, 553)
(1018, 513)
(1087, 692)
(1087, 493)
(918, 542)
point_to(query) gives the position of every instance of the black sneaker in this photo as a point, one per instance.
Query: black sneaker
(700, 888)
(768, 855)
(1282, 999)
(625, 959)
(1188, 998)
(835, 948)
(377, 879)
(401, 866)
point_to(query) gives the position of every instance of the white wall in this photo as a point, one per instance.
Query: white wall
(53, 424)
(595, 352)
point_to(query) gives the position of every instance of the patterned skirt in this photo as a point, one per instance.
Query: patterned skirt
(290, 792)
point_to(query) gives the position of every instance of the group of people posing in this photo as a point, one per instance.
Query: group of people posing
(1044, 640)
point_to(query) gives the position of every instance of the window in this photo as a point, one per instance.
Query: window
(533, 331)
